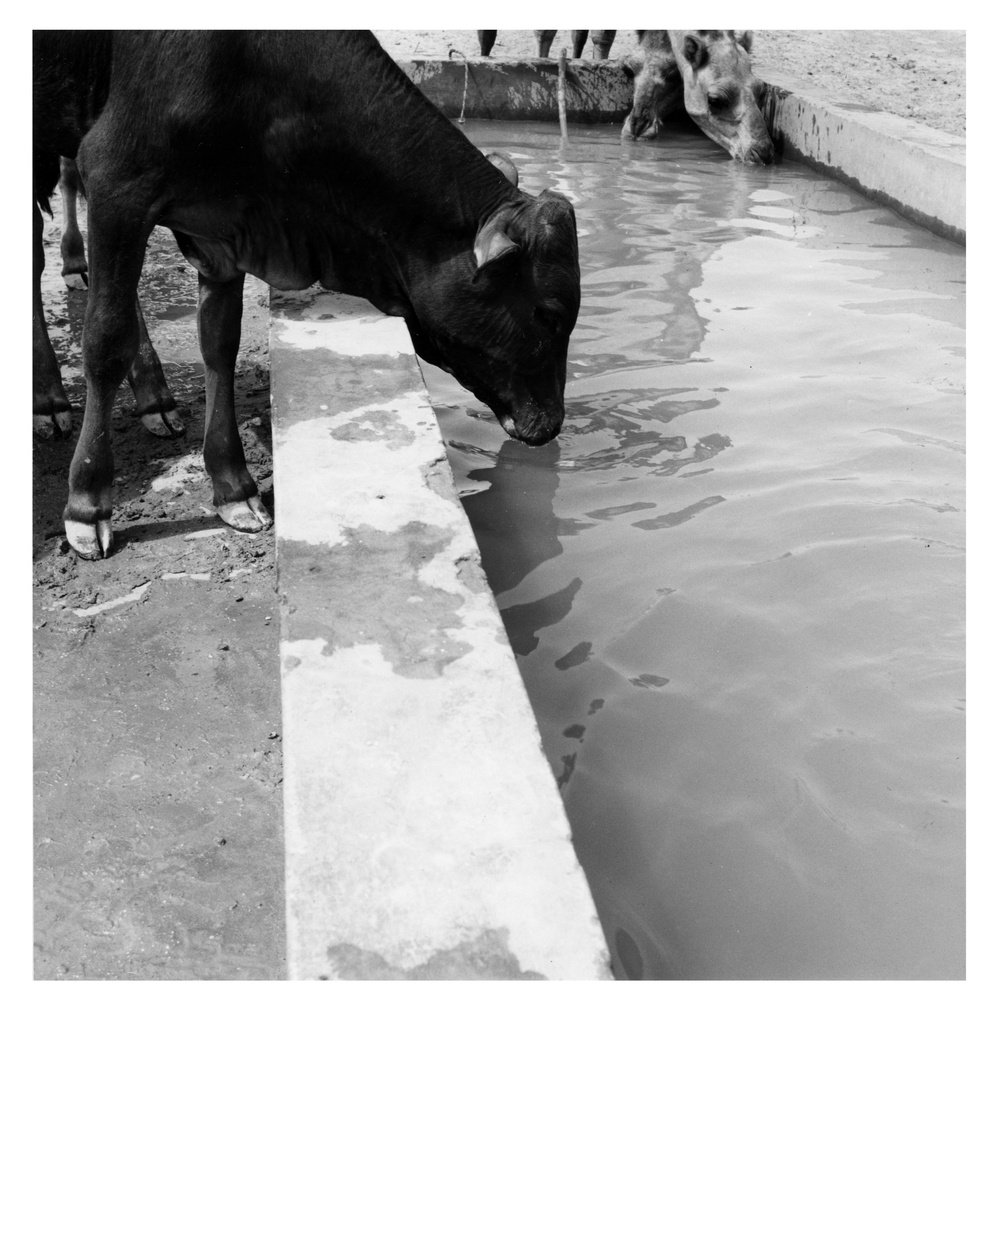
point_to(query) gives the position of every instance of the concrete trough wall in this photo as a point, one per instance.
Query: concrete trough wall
(424, 834)
(917, 171)
(596, 91)
(913, 169)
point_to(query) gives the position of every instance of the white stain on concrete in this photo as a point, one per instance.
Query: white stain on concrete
(349, 327)
(421, 813)
(327, 484)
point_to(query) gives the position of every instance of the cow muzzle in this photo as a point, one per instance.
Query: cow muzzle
(760, 151)
(532, 425)
(641, 124)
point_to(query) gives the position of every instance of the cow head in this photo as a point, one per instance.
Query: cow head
(499, 317)
(658, 89)
(721, 94)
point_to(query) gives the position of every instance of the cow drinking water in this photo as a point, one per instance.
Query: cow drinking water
(304, 156)
(709, 73)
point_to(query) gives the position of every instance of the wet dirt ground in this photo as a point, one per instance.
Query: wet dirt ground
(158, 851)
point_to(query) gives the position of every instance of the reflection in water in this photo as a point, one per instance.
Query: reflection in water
(749, 686)
(514, 522)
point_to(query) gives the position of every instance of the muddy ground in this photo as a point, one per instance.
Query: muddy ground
(157, 719)
(158, 850)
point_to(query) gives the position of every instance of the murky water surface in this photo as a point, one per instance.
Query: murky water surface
(735, 582)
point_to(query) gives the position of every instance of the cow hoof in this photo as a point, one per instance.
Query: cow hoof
(246, 514)
(75, 281)
(163, 424)
(92, 542)
(50, 426)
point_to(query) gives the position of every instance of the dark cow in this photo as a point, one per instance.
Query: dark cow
(300, 156)
(154, 403)
(602, 41)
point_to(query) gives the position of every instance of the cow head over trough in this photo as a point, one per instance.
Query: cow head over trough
(499, 318)
(721, 94)
(657, 87)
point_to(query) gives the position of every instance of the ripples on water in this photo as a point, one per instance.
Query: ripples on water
(735, 583)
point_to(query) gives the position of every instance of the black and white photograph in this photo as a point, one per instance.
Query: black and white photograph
(499, 514)
(529, 543)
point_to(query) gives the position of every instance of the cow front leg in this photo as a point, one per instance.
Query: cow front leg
(74, 257)
(50, 407)
(545, 38)
(579, 43)
(154, 403)
(234, 492)
(110, 341)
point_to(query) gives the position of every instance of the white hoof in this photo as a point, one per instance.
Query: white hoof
(249, 515)
(75, 281)
(93, 542)
(163, 424)
(47, 426)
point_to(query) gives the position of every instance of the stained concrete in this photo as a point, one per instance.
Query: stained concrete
(425, 838)
(913, 169)
(596, 91)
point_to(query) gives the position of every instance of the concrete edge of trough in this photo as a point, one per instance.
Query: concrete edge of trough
(917, 171)
(425, 837)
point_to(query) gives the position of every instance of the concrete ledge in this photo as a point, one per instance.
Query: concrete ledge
(913, 169)
(425, 838)
(596, 91)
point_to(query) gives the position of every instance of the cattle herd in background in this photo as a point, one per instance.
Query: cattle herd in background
(305, 157)
(706, 73)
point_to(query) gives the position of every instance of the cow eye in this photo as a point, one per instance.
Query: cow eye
(719, 103)
(548, 320)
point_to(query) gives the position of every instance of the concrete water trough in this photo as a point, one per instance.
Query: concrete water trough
(913, 169)
(425, 838)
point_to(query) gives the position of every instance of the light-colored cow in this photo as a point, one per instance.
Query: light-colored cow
(709, 72)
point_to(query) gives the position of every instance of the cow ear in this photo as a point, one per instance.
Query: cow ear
(745, 39)
(504, 164)
(695, 51)
(492, 244)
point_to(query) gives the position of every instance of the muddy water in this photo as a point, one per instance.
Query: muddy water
(735, 583)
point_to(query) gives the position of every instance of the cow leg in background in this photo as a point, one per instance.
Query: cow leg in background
(602, 41)
(50, 406)
(487, 38)
(154, 403)
(74, 258)
(545, 38)
(579, 42)
(110, 341)
(235, 494)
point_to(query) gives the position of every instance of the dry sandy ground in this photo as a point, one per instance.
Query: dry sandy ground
(919, 74)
